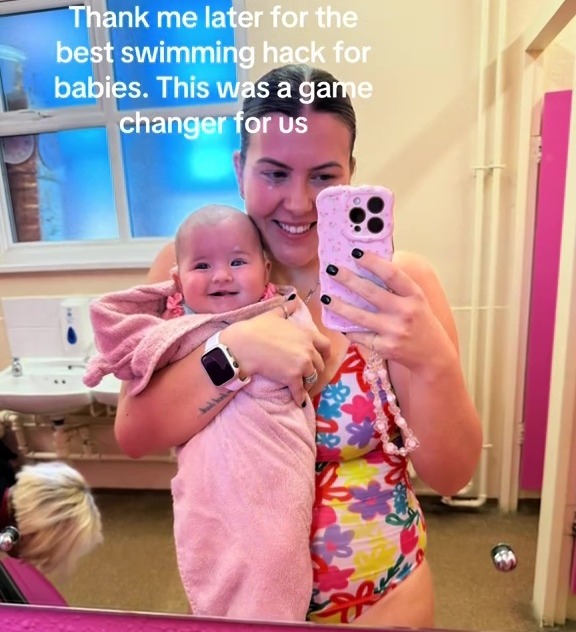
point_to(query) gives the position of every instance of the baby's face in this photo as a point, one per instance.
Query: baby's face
(222, 267)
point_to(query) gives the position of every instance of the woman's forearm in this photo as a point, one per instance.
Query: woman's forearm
(441, 414)
(179, 401)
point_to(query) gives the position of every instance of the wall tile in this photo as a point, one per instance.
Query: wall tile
(31, 311)
(32, 326)
(30, 342)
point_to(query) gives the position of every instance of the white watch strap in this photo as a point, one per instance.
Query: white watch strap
(236, 384)
(212, 342)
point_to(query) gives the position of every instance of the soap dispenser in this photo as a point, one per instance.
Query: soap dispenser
(75, 327)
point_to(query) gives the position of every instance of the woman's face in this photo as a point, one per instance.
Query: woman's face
(283, 174)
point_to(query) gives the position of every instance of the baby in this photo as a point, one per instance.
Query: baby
(221, 263)
(244, 489)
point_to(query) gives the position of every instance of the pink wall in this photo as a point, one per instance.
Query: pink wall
(548, 233)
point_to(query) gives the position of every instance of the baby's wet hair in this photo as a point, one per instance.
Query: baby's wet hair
(212, 215)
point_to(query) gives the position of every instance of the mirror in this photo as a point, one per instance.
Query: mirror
(429, 132)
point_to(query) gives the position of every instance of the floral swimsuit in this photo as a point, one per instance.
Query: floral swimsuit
(368, 531)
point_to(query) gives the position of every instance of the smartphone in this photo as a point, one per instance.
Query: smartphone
(352, 217)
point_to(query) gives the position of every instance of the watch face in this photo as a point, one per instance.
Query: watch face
(218, 366)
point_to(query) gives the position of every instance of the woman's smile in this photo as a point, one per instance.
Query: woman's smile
(294, 229)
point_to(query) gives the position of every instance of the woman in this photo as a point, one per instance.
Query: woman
(368, 534)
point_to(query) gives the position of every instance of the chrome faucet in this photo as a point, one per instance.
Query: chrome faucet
(16, 367)
(8, 538)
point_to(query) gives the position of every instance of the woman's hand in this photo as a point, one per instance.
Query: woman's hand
(183, 393)
(273, 345)
(413, 329)
(404, 328)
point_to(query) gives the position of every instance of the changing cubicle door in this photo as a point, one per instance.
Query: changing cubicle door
(555, 130)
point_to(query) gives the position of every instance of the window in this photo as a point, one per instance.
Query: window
(104, 142)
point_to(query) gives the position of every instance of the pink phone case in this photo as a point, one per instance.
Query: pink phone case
(351, 217)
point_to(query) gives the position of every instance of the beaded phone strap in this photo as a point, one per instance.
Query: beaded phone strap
(376, 375)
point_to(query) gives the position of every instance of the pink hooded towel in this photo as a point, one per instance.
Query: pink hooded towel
(244, 489)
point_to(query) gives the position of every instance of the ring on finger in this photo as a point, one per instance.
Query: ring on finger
(310, 379)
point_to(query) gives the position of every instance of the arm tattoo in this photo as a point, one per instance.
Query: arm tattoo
(213, 402)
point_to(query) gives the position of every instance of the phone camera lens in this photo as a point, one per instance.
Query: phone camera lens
(357, 215)
(357, 228)
(375, 225)
(375, 204)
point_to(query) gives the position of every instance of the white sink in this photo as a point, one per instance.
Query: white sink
(107, 391)
(48, 386)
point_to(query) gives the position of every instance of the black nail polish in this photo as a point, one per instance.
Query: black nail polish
(357, 253)
(304, 404)
(325, 299)
(332, 270)
(291, 297)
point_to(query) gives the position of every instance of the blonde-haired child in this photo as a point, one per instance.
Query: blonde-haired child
(55, 515)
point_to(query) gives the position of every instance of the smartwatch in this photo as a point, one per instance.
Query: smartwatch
(221, 365)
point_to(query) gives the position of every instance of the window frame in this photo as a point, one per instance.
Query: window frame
(126, 252)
